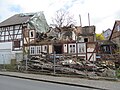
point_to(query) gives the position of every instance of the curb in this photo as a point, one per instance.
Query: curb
(57, 82)
(103, 78)
(86, 77)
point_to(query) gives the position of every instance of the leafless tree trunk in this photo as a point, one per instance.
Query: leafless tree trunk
(63, 18)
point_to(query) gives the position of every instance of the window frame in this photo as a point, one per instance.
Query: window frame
(72, 48)
(81, 48)
(32, 50)
(31, 33)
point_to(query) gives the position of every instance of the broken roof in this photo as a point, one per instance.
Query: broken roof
(35, 21)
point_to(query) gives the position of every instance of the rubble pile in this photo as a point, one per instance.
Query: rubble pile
(68, 65)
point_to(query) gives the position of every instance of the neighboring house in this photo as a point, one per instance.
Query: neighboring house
(107, 53)
(107, 34)
(17, 32)
(115, 35)
(107, 47)
(67, 41)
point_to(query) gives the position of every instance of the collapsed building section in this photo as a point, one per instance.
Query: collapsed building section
(68, 45)
(67, 41)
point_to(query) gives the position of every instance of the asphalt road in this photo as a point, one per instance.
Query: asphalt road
(11, 83)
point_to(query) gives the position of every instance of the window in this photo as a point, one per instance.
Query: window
(11, 27)
(106, 48)
(17, 27)
(81, 48)
(38, 49)
(44, 48)
(6, 33)
(16, 44)
(72, 48)
(2, 38)
(6, 37)
(65, 47)
(11, 32)
(32, 50)
(31, 34)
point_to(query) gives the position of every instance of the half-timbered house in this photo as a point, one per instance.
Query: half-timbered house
(17, 32)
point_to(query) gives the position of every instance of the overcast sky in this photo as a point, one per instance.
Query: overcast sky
(103, 13)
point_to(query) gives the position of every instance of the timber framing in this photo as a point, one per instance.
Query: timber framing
(63, 49)
(12, 33)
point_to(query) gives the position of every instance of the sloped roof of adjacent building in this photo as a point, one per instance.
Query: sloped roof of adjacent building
(108, 42)
(35, 21)
(117, 22)
(16, 19)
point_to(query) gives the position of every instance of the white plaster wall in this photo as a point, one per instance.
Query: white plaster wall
(6, 53)
(6, 45)
(5, 56)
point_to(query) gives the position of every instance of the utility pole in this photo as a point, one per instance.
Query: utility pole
(54, 62)
(26, 64)
(88, 19)
(80, 20)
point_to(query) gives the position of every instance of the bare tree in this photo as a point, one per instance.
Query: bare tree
(63, 18)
